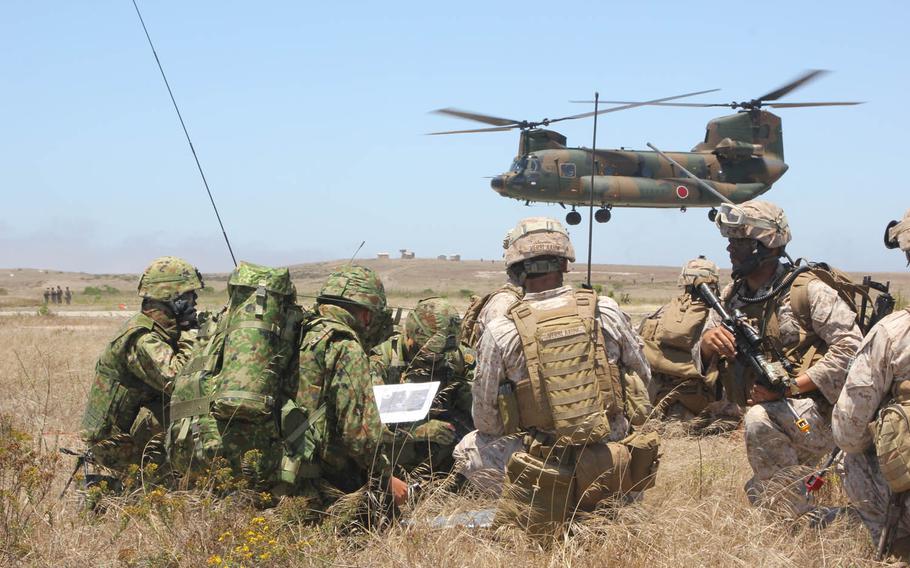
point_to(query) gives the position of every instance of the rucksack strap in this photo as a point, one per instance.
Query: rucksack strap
(188, 408)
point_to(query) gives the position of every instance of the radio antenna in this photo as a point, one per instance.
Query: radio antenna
(353, 256)
(591, 205)
(185, 132)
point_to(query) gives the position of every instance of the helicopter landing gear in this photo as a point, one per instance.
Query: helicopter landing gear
(712, 214)
(602, 215)
(573, 217)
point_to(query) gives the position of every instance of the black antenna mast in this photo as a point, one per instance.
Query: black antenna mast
(185, 132)
(591, 206)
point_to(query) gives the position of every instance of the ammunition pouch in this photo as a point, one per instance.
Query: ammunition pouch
(508, 408)
(892, 445)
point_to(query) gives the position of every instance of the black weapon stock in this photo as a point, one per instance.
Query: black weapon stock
(749, 353)
(748, 343)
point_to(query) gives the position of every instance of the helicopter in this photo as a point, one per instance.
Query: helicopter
(742, 156)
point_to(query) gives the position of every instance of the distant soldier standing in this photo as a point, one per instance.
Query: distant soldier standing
(47, 295)
(54, 297)
(806, 326)
(59, 295)
(68, 295)
(429, 349)
(124, 415)
(877, 394)
(549, 386)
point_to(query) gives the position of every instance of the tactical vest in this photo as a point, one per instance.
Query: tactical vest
(891, 431)
(669, 338)
(116, 395)
(572, 388)
(801, 355)
(470, 329)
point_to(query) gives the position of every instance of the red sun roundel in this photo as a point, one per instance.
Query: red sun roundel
(682, 191)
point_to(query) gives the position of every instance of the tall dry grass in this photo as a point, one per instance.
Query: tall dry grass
(695, 516)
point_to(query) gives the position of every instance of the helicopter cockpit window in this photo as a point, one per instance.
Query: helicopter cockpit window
(519, 165)
(567, 170)
(533, 164)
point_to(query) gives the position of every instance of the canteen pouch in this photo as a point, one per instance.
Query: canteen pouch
(892, 446)
(538, 496)
(601, 471)
(644, 450)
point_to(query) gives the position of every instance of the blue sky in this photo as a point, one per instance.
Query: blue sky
(309, 119)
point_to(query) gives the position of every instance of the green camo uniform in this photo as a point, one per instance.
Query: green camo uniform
(334, 372)
(391, 363)
(125, 410)
(124, 415)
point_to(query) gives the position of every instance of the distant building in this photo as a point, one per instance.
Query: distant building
(455, 257)
(382, 256)
(406, 254)
(441, 257)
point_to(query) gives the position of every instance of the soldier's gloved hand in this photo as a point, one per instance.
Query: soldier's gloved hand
(435, 431)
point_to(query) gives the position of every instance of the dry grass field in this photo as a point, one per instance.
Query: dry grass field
(697, 514)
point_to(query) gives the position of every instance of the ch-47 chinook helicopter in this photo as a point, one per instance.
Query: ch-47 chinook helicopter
(741, 156)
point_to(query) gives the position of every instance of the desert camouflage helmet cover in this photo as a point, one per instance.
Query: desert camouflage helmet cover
(168, 277)
(434, 325)
(698, 270)
(760, 220)
(898, 233)
(358, 285)
(537, 236)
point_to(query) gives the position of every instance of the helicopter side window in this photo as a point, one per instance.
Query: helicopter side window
(567, 170)
(533, 165)
(519, 165)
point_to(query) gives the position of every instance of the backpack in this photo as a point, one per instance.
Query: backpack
(469, 335)
(234, 399)
(870, 301)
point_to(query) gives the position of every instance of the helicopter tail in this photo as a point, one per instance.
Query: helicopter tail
(751, 128)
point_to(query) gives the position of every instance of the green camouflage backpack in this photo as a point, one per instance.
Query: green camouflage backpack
(235, 397)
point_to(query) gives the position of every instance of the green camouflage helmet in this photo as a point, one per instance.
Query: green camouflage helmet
(356, 284)
(168, 277)
(433, 325)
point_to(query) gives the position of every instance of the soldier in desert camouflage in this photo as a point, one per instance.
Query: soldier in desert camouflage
(817, 334)
(429, 349)
(878, 377)
(336, 386)
(124, 415)
(537, 252)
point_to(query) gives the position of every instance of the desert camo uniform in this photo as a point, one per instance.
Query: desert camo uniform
(335, 374)
(774, 443)
(484, 453)
(124, 415)
(882, 363)
(429, 349)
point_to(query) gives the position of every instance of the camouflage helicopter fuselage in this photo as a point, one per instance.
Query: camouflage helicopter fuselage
(741, 157)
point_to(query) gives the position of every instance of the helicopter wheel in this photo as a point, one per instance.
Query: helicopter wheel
(573, 217)
(602, 215)
(712, 214)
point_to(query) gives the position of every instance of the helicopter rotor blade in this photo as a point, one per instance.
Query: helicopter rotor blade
(806, 77)
(630, 105)
(797, 105)
(493, 129)
(696, 105)
(477, 117)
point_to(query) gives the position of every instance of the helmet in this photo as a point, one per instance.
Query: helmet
(357, 285)
(433, 326)
(762, 221)
(697, 271)
(897, 235)
(168, 277)
(537, 236)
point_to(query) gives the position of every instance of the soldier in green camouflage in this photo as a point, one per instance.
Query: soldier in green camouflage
(124, 416)
(337, 391)
(429, 349)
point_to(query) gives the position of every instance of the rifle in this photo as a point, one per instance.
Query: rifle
(892, 518)
(82, 461)
(772, 376)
